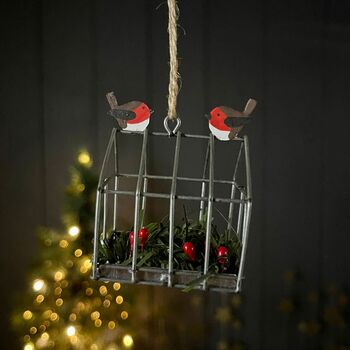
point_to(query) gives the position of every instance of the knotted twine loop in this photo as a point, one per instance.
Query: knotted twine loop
(174, 64)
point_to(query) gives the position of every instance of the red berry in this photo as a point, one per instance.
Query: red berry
(143, 235)
(222, 254)
(131, 239)
(190, 250)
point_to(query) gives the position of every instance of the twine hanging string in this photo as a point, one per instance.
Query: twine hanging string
(174, 64)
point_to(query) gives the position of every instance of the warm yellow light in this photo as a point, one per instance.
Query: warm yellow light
(45, 336)
(98, 323)
(29, 346)
(128, 341)
(84, 158)
(74, 231)
(81, 305)
(27, 315)
(38, 285)
(93, 347)
(58, 290)
(54, 316)
(59, 302)
(80, 187)
(95, 315)
(78, 253)
(111, 324)
(119, 299)
(33, 330)
(59, 275)
(42, 328)
(89, 291)
(64, 283)
(116, 286)
(72, 317)
(40, 298)
(97, 302)
(63, 243)
(106, 303)
(74, 339)
(124, 315)
(84, 269)
(26, 338)
(70, 330)
(103, 290)
(87, 263)
(47, 313)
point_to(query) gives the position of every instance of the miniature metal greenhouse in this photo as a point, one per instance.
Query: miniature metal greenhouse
(238, 203)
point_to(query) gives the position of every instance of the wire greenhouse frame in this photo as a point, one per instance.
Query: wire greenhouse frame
(108, 192)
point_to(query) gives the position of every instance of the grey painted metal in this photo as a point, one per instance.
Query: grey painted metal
(138, 203)
(202, 203)
(175, 129)
(108, 187)
(246, 216)
(116, 180)
(210, 208)
(246, 224)
(98, 206)
(105, 211)
(240, 215)
(155, 133)
(144, 189)
(183, 197)
(96, 234)
(233, 190)
(180, 178)
(172, 208)
(247, 167)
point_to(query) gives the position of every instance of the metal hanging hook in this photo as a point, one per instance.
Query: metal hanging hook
(175, 129)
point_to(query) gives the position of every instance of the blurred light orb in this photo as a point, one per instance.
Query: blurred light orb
(29, 346)
(70, 330)
(74, 231)
(128, 341)
(27, 315)
(38, 285)
(124, 315)
(84, 158)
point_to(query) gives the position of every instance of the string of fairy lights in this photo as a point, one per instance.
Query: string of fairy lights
(50, 298)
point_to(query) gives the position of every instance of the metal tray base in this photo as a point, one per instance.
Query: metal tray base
(159, 277)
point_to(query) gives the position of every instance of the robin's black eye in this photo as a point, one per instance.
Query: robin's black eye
(218, 114)
(143, 107)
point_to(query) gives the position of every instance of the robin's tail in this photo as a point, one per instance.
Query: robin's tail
(249, 107)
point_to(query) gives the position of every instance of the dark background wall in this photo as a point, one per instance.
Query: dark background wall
(59, 58)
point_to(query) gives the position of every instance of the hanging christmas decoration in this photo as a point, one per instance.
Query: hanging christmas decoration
(194, 254)
(225, 123)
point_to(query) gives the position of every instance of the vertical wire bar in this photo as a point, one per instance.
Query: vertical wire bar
(240, 213)
(247, 165)
(98, 207)
(106, 157)
(105, 211)
(172, 208)
(247, 216)
(202, 203)
(116, 180)
(145, 186)
(246, 223)
(233, 191)
(210, 208)
(137, 206)
(96, 234)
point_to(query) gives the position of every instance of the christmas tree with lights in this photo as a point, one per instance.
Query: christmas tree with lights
(63, 308)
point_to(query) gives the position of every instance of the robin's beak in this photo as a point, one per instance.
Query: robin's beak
(207, 116)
